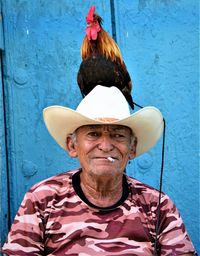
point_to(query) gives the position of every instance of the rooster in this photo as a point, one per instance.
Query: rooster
(102, 61)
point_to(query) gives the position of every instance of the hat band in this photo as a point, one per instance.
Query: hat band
(106, 119)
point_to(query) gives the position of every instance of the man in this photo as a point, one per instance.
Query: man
(97, 209)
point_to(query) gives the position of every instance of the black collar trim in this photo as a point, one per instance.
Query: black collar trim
(79, 191)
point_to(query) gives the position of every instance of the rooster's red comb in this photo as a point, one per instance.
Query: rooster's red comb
(90, 15)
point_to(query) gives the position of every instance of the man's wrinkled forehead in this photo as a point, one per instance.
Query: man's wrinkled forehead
(106, 127)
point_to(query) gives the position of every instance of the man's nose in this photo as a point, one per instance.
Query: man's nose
(105, 143)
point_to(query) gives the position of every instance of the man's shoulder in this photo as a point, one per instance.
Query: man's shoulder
(143, 190)
(54, 182)
(139, 184)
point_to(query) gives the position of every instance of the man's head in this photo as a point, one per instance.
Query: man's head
(94, 145)
(105, 106)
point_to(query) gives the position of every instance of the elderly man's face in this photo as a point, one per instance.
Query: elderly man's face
(95, 143)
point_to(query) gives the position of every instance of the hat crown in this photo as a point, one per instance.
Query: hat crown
(104, 102)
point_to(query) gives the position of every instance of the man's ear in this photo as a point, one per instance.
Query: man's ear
(133, 149)
(70, 147)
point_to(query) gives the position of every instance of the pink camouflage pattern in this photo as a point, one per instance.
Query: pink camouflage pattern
(53, 220)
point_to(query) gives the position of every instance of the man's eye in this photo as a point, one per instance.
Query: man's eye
(92, 134)
(118, 135)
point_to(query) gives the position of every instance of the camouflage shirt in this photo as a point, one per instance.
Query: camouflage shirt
(54, 220)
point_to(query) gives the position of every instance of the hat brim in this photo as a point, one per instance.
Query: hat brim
(147, 125)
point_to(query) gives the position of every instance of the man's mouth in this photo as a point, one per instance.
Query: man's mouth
(111, 159)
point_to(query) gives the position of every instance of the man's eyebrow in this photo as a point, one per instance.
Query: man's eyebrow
(120, 128)
(90, 126)
(112, 127)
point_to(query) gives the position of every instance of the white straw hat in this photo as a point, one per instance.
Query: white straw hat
(105, 105)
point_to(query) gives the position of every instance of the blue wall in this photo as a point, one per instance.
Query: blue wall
(159, 40)
(41, 56)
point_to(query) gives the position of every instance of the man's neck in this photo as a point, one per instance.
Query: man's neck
(102, 191)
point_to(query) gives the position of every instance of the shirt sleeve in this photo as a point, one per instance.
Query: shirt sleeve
(26, 234)
(173, 237)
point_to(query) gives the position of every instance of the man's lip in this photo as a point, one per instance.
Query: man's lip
(105, 157)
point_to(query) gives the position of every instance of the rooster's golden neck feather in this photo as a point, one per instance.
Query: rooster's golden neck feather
(104, 45)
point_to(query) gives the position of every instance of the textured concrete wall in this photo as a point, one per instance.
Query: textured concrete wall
(159, 40)
(40, 63)
(159, 43)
